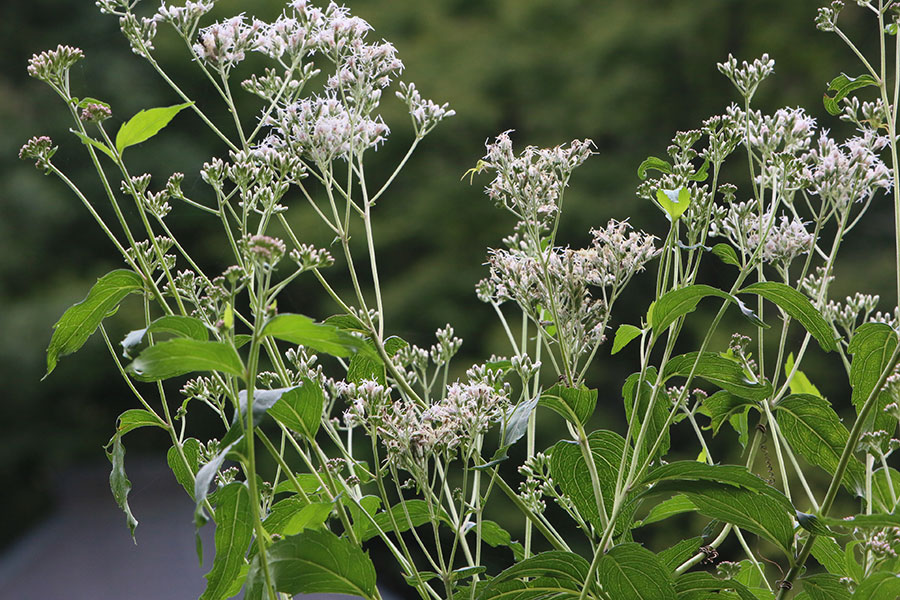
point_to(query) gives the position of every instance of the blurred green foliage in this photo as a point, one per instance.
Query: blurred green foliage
(626, 74)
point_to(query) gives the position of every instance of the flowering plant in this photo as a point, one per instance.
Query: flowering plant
(371, 441)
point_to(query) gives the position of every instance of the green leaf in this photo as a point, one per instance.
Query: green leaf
(495, 536)
(655, 164)
(812, 524)
(723, 405)
(205, 476)
(720, 371)
(873, 521)
(631, 572)
(676, 505)
(800, 383)
(181, 326)
(180, 356)
(118, 481)
(842, 86)
(624, 335)
(573, 404)
(300, 408)
(134, 418)
(570, 472)
(798, 307)
(673, 557)
(370, 365)
(144, 125)
(567, 570)
(702, 173)
(636, 414)
(825, 586)
(880, 585)
(674, 202)
(871, 347)
(516, 423)
(292, 515)
(829, 554)
(263, 401)
(185, 473)
(814, 431)
(234, 531)
(732, 475)
(321, 337)
(689, 585)
(680, 302)
(881, 490)
(362, 513)
(726, 254)
(81, 320)
(89, 141)
(315, 562)
(414, 511)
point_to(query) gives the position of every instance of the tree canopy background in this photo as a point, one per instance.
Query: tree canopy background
(626, 74)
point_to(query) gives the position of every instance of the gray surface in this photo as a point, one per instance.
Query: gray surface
(83, 551)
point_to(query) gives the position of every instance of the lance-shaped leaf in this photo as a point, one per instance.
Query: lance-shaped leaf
(234, 531)
(205, 476)
(293, 515)
(680, 302)
(798, 307)
(300, 408)
(718, 370)
(185, 469)
(676, 505)
(733, 475)
(814, 430)
(404, 514)
(263, 401)
(181, 355)
(631, 572)
(322, 337)
(515, 423)
(144, 125)
(315, 562)
(726, 254)
(89, 141)
(573, 404)
(81, 320)
(842, 86)
(178, 325)
(871, 347)
(118, 480)
(624, 335)
(568, 572)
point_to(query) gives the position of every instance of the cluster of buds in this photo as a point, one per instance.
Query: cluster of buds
(40, 149)
(855, 309)
(746, 77)
(262, 250)
(52, 66)
(425, 114)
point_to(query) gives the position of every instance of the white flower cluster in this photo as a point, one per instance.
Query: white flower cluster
(746, 77)
(740, 223)
(849, 172)
(183, 18)
(529, 185)
(224, 44)
(616, 254)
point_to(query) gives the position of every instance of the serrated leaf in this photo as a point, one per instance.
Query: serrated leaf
(185, 473)
(829, 554)
(812, 524)
(89, 141)
(369, 365)
(676, 505)
(726, 254)
(293, 515)
(842, 86)
(118, 481)
(234, 531)
(677, 303)
(718, 370)
(81, 320)
(722, 405)
(300, 408)
(573, 404)
(567, 570)
(145, 124)
(631, 572)
(881, 489)
(321, 337)
(814, 431)
(674, 556)
(179, 325)
(873, 521)
(362, 513)
(880, 585)
(732, 475)
(871, 347)
(315, 562)
(674, 202)
(798, 307)
(825, 586)
(624, 335)
(687, 586)
(181, 356)
(655, 164)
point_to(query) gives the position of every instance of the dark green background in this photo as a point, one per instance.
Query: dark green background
(626, 73)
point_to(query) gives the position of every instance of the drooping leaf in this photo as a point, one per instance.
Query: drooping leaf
(89, 141)
(322, 337)
(674, 202)
(573, 404)
(178, 325)
(871, 347)
(81, 320)
(636, 402)
(300, 408)
(718, 370)
(726, 254)
(880, 585)
(315, 562)
(814, 431)
(234, 531)
(825, 586)
(182, 355)
(263, 401)
(516, 423)
(145, 124)
(653, 163)
(137, 417)
(624, 334)
(798, 307)
(842, 86)
(570, 472)
(362, 514)
(185, 470)
(118, 480)
(205, 476)
(631, 572)
(567, 570)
